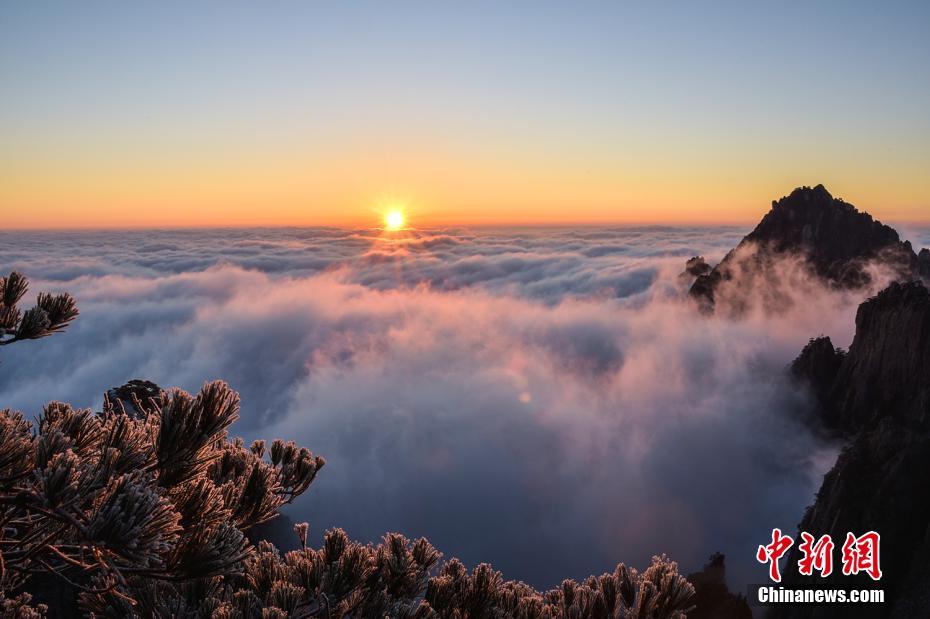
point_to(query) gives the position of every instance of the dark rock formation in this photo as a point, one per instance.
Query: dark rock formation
(879, 395)
(136, 398)
(833, 239)
(817, 367)
(885, 374)
(712, 599)
(887, 371)
(696, 266)
(923, 264)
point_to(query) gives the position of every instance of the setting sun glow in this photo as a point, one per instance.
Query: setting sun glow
(394, 219)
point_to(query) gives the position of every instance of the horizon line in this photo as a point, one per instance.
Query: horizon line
(424, 227)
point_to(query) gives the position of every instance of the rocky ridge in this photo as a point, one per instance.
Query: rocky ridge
(878, 395)
(875, 396)
(836, 242)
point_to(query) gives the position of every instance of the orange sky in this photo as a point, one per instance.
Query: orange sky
(139, 190)
(180, 115)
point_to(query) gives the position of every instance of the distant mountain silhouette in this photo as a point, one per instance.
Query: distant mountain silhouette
(833, 240)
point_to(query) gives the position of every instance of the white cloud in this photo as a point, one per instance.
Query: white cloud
(543, 400)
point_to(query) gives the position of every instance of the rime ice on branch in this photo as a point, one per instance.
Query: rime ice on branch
(142, 510)
(51, 313)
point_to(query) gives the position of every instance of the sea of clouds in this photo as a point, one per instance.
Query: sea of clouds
(546, 400)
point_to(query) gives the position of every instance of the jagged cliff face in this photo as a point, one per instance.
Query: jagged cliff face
(923, 264)
(808, 233)
(885, 374)
(878, 394)
(887, 371)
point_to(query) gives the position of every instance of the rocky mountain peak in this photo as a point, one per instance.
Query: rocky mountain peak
(817, 367)
(830, 230)
(833, 238)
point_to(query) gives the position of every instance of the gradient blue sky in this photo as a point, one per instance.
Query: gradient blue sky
(298, 113)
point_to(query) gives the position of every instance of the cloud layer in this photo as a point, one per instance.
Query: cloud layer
(544, 400)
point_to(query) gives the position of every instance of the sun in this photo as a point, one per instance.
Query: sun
(394, 219)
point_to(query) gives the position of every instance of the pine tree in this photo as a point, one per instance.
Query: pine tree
(143, 509)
